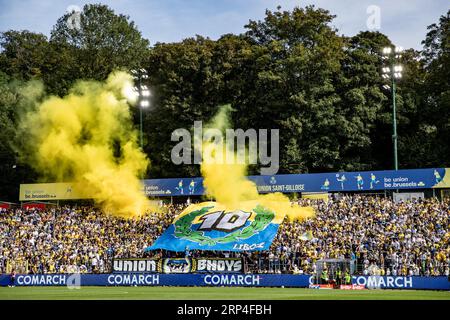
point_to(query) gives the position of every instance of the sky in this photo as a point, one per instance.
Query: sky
(403, 21)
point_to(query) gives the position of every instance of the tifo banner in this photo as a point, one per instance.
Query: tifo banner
(210, 226)
(50, 191)
(223, 265)
(178, 265)
(218, 280)
(136, 265)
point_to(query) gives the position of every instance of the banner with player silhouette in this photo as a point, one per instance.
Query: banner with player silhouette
(211, 226)
(315, 182)
(285, 183)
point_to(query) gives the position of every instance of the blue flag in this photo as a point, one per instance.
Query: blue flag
(210, 226)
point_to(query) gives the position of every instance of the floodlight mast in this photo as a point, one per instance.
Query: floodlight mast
(393, 72)
(143, 94)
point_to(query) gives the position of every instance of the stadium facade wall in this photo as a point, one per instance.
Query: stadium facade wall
(218, 280)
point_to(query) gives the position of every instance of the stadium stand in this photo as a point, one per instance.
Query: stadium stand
(385, 238)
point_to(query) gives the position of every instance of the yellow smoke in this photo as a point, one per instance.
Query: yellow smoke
(87, 137)
(227, 181)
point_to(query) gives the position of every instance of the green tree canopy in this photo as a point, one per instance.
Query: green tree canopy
(290, 71)
(103, 41)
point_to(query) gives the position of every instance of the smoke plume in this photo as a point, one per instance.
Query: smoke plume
(87, 137)
(227, 182)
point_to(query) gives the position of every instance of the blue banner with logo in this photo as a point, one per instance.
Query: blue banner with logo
(219, 280)
(174, 187)
(210, 226)
(134, 279)
(316, 182)
(401, 282)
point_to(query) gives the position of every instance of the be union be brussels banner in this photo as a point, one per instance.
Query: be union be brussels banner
(210, 226)
(355, 181)
(51, 191)
(286, 183)
(315, 182)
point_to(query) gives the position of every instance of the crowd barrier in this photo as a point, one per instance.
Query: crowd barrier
(218, 280)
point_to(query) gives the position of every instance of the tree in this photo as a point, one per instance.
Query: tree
(417, 135)
(436, 55)
(189, 83)
(359, 86)
(104, 41)
(296, 56)
(12, 172)
(289, 71)
(23, 53)
(28, 56)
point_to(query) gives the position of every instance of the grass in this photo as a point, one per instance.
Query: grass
(212, 293)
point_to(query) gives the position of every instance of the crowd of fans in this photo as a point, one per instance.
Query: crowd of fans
(74, 239)
(382, 237)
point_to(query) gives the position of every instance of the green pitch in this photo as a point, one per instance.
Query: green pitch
(208, 293)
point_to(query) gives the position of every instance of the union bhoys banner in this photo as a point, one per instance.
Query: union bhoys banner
(211, 226)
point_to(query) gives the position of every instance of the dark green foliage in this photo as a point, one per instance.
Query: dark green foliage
(290, 71)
